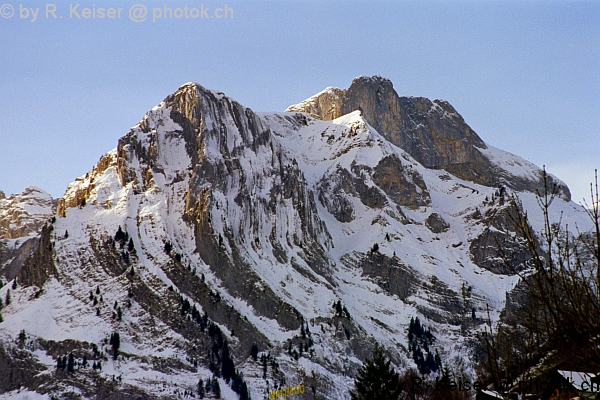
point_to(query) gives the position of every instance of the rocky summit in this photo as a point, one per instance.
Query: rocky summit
(221, 252)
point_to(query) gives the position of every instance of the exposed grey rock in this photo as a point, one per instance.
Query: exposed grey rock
(40, 265)
(390, 274)
(432, 132)
(12, 259)
(500, 248)
(17, 369)
(436, 223)
(404, 185)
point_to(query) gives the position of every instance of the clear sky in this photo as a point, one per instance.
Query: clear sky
(524, 75)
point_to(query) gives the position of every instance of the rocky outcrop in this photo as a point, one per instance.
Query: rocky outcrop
(432, 132)
(13, 257)
(403, 184)
(40, 265)
(436, 223)
(18, 369)
(388, 272)
(500, 247)
(24, 213)
(21, 219)
(326, 105)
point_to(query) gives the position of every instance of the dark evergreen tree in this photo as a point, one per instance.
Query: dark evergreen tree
(201, 388)
(239, 386)
(419, 341)
(213, 363)
(376, 379)
(216, 388)
(121, 236)
(254, 352)
(71, 363)
(168, 247)
(227, 366)
(115, 342)
(7, 299)
(346, 313)
(185, 306)
(131, 246)
(244, 394)
(15, 285)
(1, 318)
(338, 308)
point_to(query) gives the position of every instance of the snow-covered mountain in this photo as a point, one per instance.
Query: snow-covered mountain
(279, 246)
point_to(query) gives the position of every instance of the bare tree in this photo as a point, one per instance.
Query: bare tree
(552, 318)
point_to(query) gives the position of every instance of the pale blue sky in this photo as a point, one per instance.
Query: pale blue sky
(524, 75)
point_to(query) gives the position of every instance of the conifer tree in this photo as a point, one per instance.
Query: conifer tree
(71, 363)
(227, 366)
(115, 342)
(131, 246)
(216, 388)
(376, 379)
(254, 351)
(201, 388)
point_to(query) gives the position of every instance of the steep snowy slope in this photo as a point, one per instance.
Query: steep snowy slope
(263, 250)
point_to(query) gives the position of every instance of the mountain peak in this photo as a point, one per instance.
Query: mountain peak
(213, 234)
(376, 80)
(432, 132)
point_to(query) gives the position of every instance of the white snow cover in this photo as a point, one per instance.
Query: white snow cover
(155, 214)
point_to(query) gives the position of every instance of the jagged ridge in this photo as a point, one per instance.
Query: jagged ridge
(261, 223)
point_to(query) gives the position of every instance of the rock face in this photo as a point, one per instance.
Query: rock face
(217, 241)
(24, 213)
(22, 217)
(432, 132)
(326, 105)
